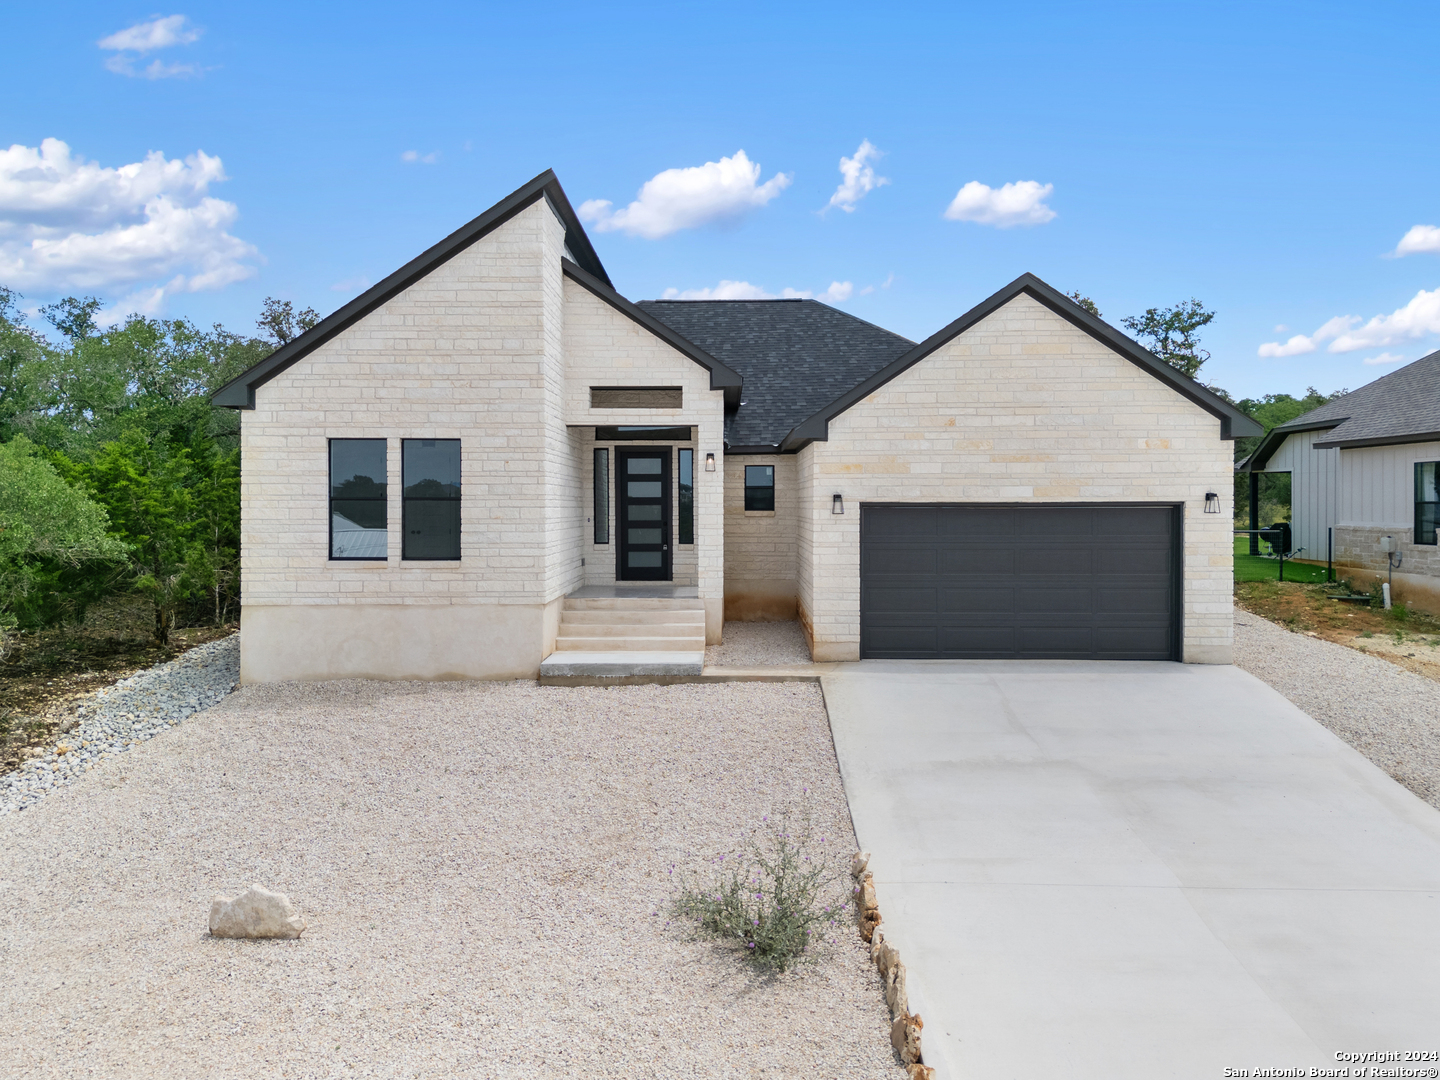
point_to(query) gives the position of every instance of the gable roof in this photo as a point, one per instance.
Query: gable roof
(239, 393)
(721, 377)
(1401, 407)
(794, 355)
(1233, 422)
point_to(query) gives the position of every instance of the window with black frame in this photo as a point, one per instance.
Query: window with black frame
(1427, 501)
(759, 487)
(685, 472)
(430, 471)
(602, 495)
(357, 499)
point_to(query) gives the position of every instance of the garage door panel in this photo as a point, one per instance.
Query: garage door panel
(977, 599)
(956, 581)
(976, 559)
(901, 560)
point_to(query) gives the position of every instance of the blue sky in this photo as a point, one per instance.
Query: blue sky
(1267, 159)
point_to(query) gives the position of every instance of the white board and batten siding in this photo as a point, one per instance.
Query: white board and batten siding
(1314, 499)
(1377, 484)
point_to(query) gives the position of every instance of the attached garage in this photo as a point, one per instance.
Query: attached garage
(1033, 581)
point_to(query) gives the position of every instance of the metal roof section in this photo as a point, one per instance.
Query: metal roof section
(1233, 422)
(239, 393)
(721, 377)
(794, 355)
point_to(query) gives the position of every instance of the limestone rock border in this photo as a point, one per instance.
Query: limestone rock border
(905, 1026)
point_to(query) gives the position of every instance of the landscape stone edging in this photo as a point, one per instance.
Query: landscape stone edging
(905, 1026)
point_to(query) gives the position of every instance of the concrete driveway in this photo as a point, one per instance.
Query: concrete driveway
(1137, 870)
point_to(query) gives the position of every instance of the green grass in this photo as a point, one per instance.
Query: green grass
(1256, 568)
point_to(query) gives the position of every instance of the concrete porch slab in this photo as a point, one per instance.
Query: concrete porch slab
(576, 662)
(641, 590)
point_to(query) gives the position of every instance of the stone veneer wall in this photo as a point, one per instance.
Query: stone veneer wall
(761, 546)
(1022, 407)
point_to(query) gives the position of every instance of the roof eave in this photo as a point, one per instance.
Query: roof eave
(1379, 440)
(721, 377)
(1233, 423)
(239, 393)
(1262, 453)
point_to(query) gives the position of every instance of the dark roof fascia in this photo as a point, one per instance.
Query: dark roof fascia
(1380, 440)
(750, 451)
(1233, 422)
(721, 377)
(1273, 439)
(239, 393)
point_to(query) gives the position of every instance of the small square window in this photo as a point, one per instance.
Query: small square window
(759, 487)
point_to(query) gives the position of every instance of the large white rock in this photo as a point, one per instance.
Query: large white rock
(255, 913)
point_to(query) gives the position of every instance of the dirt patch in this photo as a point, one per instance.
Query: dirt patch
(48, 671)
(1406, 638)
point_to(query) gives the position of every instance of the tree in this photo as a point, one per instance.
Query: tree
(1085, 302)
(46, 528)
(1172, 334)
(24, 357)
(281, 322)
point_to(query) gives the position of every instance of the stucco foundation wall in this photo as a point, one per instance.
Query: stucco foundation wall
(307, 643)
(761, 546)
(1022, 407)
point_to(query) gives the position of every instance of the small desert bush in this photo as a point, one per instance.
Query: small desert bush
(775, 894)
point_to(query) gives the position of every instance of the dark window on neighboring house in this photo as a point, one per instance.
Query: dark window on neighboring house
(602, 495)
(686, 474)
(1427, 501)
(759, 487)
(357, 499)
(431, 507)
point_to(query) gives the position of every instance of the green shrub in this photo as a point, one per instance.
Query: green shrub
(775, 894)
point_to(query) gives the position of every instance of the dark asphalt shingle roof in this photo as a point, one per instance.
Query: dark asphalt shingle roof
(1403, 403)
(796, 356)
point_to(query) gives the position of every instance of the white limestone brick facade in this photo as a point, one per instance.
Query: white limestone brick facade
(761, 546)
(1022, 407)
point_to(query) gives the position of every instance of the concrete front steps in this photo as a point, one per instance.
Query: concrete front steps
(622, 636)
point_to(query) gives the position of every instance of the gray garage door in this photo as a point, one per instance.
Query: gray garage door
(1039, 582)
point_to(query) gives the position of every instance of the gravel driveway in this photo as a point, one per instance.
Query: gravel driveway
(1390, 715)
(481, 866)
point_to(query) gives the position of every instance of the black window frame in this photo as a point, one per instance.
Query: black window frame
(383, 499)
(602, 495)
(1425, 531)
(685, 495)
(759, 489)
(406, 500)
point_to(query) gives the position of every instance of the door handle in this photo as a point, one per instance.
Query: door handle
(664, 547)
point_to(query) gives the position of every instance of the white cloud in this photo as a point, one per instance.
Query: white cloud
(1417, 319)
(356, 284)
(859, 178)
(134, 42)
(837, 293)
(1020, 203)
(684, 198)
(1384, 358)
(1419, 238)
(67, 223)
(414, 156)
(1281, 328)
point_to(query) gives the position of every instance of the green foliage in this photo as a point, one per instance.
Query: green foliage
(281, 323)
(1085, 302)
(1173, 334)
(48, 530)
(774, 895)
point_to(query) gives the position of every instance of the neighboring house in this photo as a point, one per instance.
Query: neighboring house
(492, 453)
(1363, 467)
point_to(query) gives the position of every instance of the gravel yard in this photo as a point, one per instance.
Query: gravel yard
(481, 866)
(1390, 715)
(759, 644)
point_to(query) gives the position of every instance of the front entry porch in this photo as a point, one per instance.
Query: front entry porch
(629, 629)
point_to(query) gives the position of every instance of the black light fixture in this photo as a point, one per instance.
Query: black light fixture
(1212, 503)
(710, 462)
(837, 504)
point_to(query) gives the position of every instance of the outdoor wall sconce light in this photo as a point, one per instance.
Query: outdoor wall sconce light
(837, 504)
(710, 462)
(1212, 503)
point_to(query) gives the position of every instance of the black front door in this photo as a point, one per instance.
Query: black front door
(642, 480)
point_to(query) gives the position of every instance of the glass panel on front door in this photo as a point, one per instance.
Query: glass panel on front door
(644, 496)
